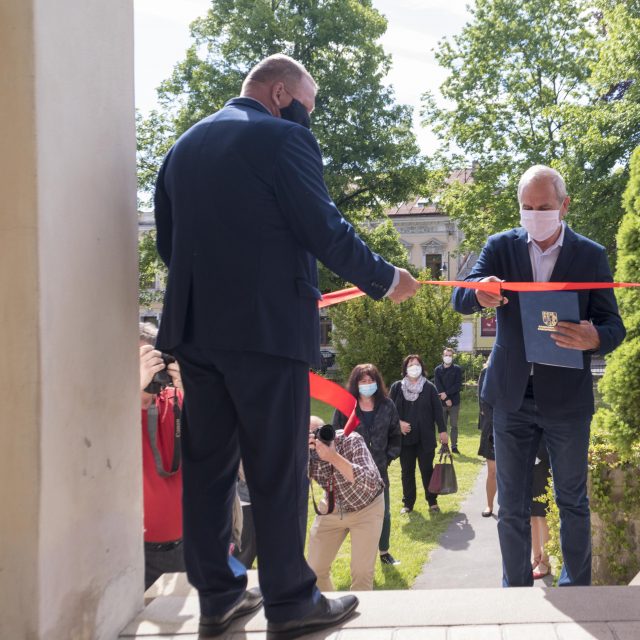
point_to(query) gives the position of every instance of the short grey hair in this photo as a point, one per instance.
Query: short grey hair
(279, 67)
(148, 333)
(540, 172)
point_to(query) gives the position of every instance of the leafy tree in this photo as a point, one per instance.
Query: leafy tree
(150, 267)
(519, 76)
(384, 333)
(620, 385)
(381, 237)
(154, 139)
(602, 134)
(369, 149)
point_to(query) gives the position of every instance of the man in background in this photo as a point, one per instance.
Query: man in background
(448, 381)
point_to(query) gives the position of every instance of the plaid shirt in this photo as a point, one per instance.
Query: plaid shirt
(367, 483)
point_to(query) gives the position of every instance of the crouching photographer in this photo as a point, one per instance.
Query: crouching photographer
(353, 503)
(161, 402)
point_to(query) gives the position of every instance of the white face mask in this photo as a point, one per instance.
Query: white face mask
(447, 359)
(414, 370)
(540, 224)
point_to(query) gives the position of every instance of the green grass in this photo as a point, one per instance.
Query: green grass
(414, 536)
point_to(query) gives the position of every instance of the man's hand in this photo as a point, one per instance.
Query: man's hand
(443, 396)
(174, 371)
(487, 299)
(444, 438)
(406, 288)
(325, 453)
(449, 403)
(150, 364)
(405, 427)
(583, 336)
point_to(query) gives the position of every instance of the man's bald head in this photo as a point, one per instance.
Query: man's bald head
(276, 80)
(279, 67)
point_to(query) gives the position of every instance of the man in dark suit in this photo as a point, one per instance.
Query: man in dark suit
(448, 380)
(242, 213)
(529, 400)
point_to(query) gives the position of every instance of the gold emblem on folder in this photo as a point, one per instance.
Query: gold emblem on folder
(550, 320)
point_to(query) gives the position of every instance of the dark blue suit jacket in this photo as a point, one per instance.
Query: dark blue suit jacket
(558, 391)
(242, 213)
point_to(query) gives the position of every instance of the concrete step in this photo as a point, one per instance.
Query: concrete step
(574, 613)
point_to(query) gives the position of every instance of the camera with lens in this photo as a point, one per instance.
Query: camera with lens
(326, 434)
(161, 379)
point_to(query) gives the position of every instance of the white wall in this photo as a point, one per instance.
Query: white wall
(465, 338)
(70, 558)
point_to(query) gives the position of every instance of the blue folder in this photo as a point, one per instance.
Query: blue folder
(541, 311)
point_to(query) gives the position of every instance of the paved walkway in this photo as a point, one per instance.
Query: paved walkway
(469, 552)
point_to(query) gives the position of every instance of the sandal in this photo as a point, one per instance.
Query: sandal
(537, 574)
(487, 513)
(434, 508)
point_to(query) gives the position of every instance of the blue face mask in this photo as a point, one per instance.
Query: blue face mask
(296, 112)
(367, 390)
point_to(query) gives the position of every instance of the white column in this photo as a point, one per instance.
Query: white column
(70, 479)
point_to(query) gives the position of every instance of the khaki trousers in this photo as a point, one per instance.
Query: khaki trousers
(329, 532)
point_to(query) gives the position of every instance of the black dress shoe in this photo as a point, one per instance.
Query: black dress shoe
(326, 613)
(211, 626)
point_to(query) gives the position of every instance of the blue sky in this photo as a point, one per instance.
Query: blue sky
(415, 26)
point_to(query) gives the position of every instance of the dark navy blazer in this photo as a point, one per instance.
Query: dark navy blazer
(242, 213)
(558, 391)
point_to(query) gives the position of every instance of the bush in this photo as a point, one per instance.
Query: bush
(471, 366)
(383, 333)
(620, 385)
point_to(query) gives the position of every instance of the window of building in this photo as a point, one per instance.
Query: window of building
(325, 331)
(433, 262)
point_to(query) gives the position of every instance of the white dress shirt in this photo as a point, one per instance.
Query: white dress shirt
(543, 262)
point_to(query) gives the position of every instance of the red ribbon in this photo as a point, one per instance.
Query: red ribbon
(334, 395)
(339, 398)
(335, 297)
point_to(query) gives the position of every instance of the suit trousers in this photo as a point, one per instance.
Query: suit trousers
(451, 415)
(408, 456)
(329, 532)
(517, 436)
(254, 405)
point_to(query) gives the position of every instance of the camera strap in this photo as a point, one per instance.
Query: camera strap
(152, 428)
(331, 498)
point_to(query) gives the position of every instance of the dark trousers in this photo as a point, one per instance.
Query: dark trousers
(517, 436)
(248, 551)
(385, 534)
(408, 456)
(162, 558)
(451, 415)
(258, 406)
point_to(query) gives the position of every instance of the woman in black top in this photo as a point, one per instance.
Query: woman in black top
(420, 413)
(380, 428)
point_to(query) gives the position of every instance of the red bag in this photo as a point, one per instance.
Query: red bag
(435, 484)
(443, 479)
